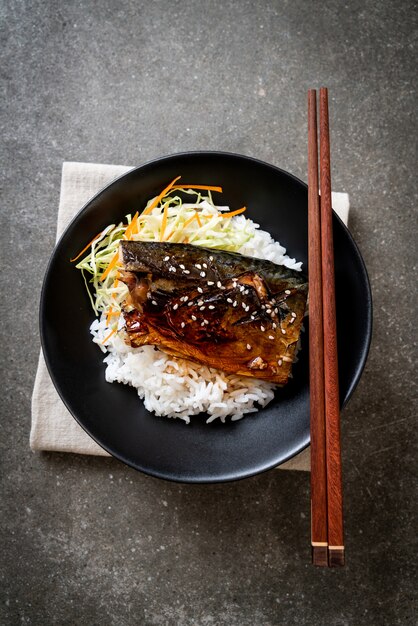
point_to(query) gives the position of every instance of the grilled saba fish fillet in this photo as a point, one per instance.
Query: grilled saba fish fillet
(235, 313)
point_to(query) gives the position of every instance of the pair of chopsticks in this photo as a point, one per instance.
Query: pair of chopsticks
(326, 481)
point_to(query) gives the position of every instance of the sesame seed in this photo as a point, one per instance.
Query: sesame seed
(229, 300)
(211, 258)
(247, 308)
(182, 324)
(283, 331)
(204, 265)
(262, 329)
(202, 308)
(182, 267)
(175, 307)
(202, 324)
(200, 290)
(186, 271)
(274, 325)
(242, 288)
(288, 292)
(268, 311)
(271, 337)
(203, 274)
(199, 302)
(252, 316)
(210, 283)
(246, 292)
(199, 267)
(190, 303)
(211, 306)
(280, 362)
(171, 269)
(234, 303)
(293, 314)
(222, 287)
(244, 306)
(276, 310)
(194, 318)
(219, 284)
(206, 322)
(248, 346)
(154, 303)
(292, 319)
(166, 258)
(185, 298)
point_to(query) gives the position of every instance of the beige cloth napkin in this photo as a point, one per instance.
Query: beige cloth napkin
(53, 427)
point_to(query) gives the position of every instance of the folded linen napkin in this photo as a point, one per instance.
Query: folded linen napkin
(53, 427)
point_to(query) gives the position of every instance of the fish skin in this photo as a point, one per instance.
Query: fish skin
(247, 322)
(148, 256)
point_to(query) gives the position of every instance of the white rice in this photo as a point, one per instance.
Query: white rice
(178, 388)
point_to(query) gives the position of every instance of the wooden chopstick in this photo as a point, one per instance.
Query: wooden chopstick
(332, 402)
(319, 522)
(326, 481)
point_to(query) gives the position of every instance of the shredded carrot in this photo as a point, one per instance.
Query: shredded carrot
(87, 246)
(237, 212)
(110, 313)
(186, 240)
(110, 267)
(160, 197)
(135, 228)
(190, 220)
(132, 226)
(164, 221)
(198, 219)
(205, 187)
(108, 336)
(169, 236)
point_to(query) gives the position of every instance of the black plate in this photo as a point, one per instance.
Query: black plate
(112, 413)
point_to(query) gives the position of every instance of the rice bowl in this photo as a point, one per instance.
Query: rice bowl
(112, 414)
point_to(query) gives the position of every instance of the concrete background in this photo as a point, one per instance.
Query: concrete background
(89, 541)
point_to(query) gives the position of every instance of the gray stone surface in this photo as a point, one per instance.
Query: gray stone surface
(90, 541)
